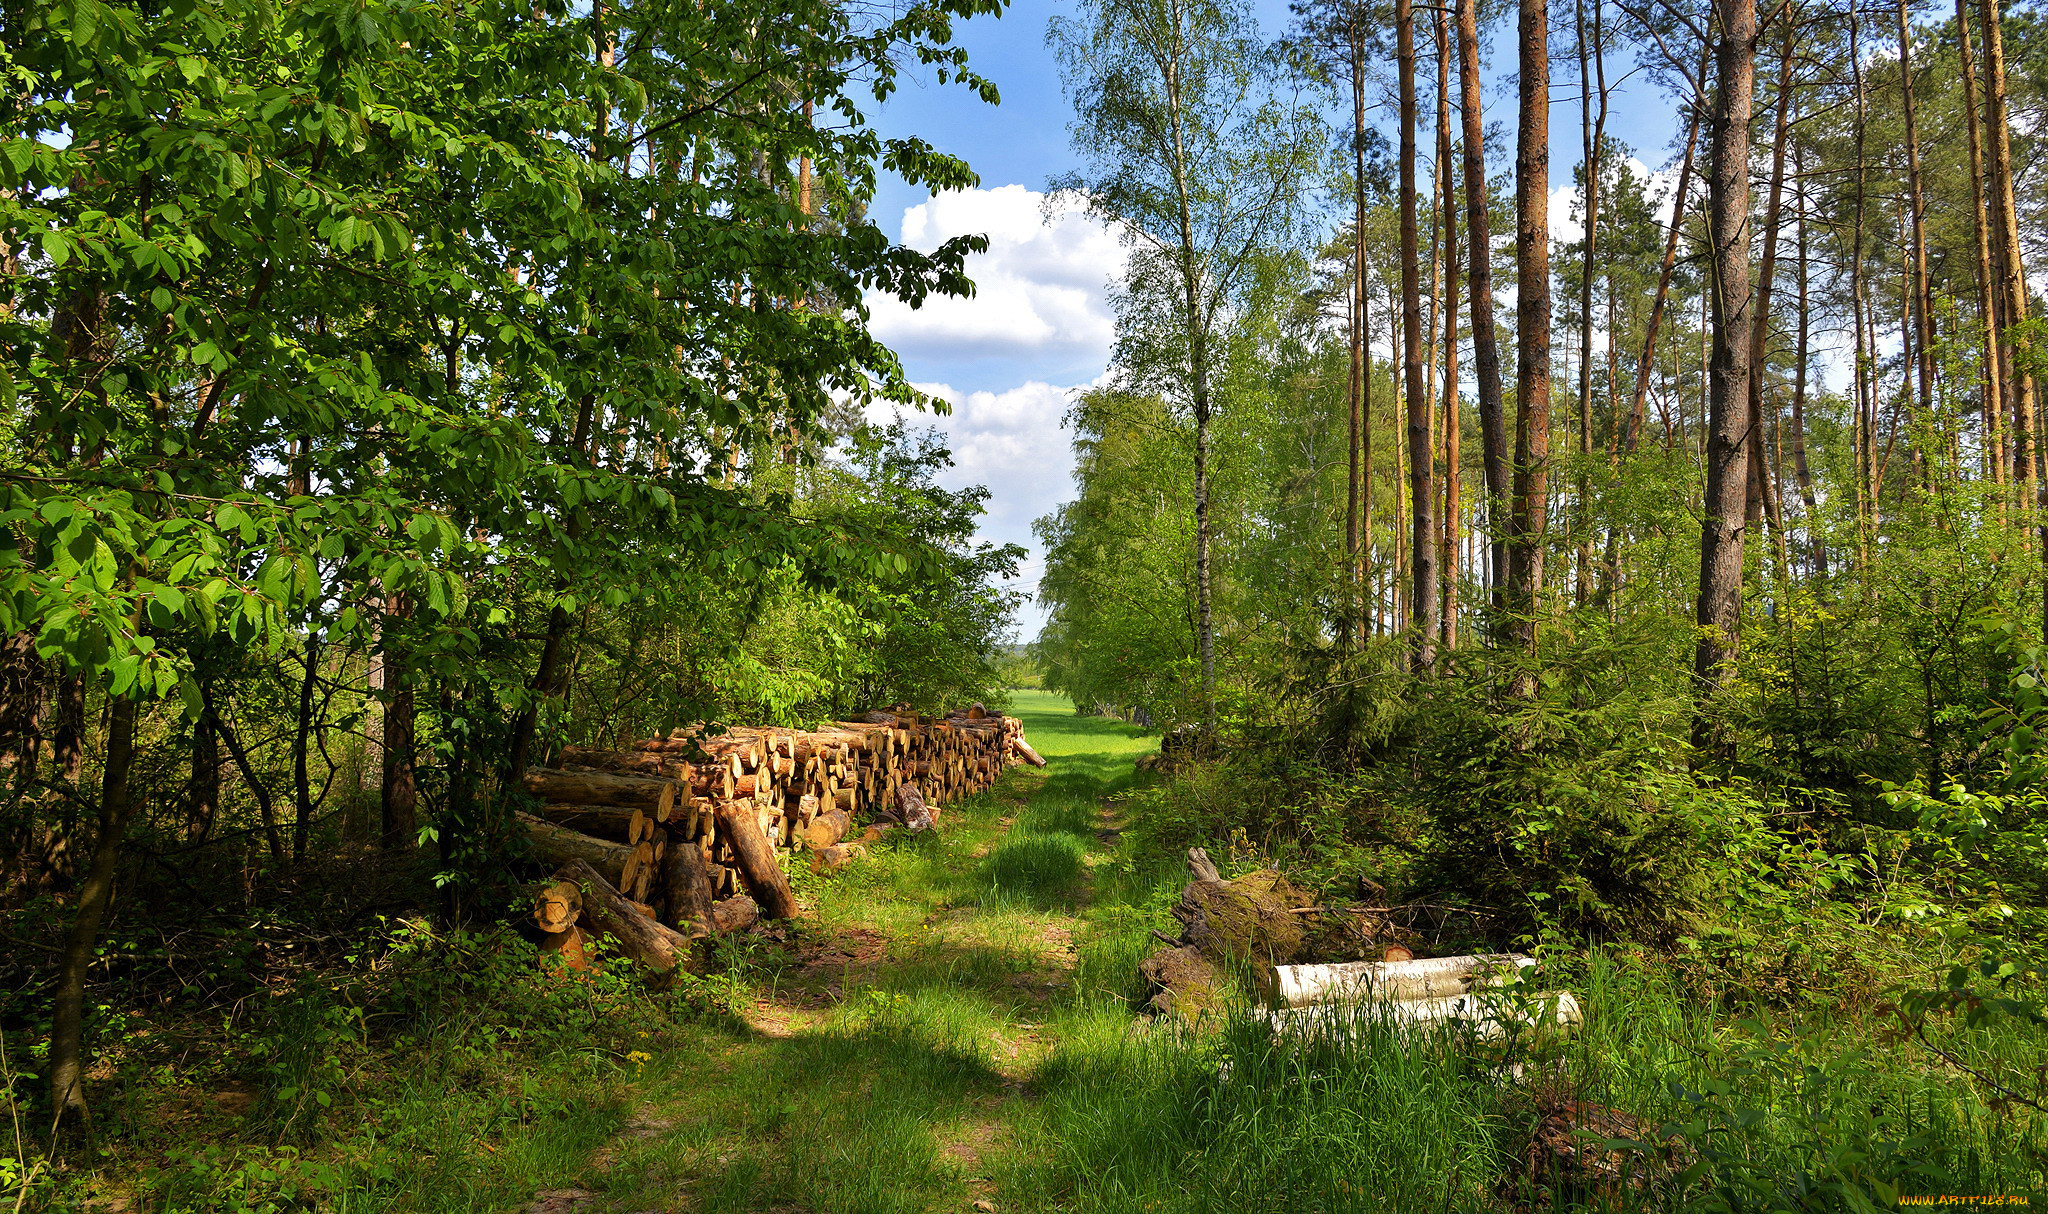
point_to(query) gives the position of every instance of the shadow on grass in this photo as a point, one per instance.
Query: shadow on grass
(858, 1118)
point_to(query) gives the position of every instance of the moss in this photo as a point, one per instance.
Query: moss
(1181, 981)
(1249, 918)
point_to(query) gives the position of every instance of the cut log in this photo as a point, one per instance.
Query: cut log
(1026, 753)
(685, 888)
(826, 829)
(875, 834)
(639, 936)
(635, 872)
(1484, 1015)
(568, 945)
(713, 783)
(556, 905)
(832, 859)
(755, 859)
(645, 764)
(735, 914)
(1430, 978)
(911, 809)
(602, 788)
(556, 846)
(619, 823)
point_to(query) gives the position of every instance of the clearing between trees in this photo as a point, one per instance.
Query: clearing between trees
(957, 1026)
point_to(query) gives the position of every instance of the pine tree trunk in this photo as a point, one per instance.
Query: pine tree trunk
(1357, 508)
(1485, 343)
(2025, 419)
(1721, 532)
(1762, 477)
(1801, 470)
(1364, 565)
(1992, 414)
(1528, 525)
(1866, 408)
(1453, 442)
(1421, 493)
(1923, 291)
(1592, 131)
(2010, 271)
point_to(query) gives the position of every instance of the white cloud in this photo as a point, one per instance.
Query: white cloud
(1016, 444)
(1041, 289)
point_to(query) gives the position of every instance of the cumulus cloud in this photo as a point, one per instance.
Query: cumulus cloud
(1041, 289)
(1015, 443)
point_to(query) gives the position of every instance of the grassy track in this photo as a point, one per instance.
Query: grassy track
(886, 1057)
(953, 1026)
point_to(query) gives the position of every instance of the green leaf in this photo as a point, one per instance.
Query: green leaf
(86, 16)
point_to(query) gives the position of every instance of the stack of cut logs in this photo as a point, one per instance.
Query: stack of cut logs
(677, 836)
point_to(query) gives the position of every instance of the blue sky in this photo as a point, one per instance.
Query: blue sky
(1040, 325)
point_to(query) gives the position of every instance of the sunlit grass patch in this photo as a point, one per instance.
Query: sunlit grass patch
(1038, 870)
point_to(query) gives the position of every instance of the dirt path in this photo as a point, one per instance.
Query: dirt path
(882, 1054)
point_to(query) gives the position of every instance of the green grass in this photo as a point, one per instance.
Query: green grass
(1086, 756)
(954, 1023)
(1817, 1115)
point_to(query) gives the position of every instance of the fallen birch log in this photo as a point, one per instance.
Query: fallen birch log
(1428, 978)
(1485, 1015)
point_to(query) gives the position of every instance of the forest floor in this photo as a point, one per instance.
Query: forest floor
(951, 1027)
(887, 1053)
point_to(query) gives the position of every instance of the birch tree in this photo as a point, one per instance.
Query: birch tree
(1196, 147)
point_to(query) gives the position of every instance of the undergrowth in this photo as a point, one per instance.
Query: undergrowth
(956, 1022)
(374, 1084)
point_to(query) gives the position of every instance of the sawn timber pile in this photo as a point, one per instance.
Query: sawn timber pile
(691, 831)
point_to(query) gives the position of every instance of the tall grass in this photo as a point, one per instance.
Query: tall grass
(1734, 1114)
(979, 1039)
